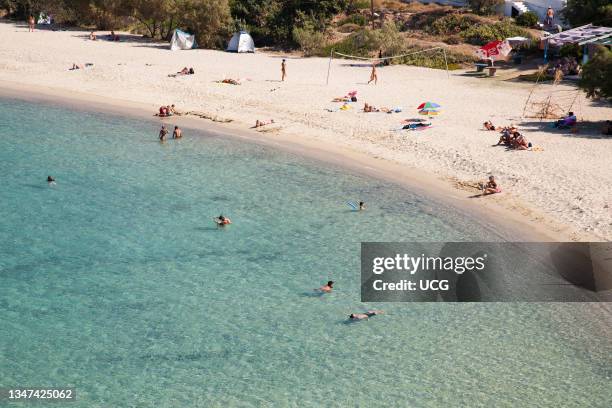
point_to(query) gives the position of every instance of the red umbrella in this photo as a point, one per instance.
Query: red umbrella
(495, 50)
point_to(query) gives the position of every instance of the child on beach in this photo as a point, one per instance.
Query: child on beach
(491, 187)
(283, 70)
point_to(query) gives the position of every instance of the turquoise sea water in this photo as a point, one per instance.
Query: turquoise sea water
(116, 282)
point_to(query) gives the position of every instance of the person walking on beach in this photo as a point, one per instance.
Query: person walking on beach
(373, 75)
(31, 23)
(178, 133)
(283, 70)
(163, 132)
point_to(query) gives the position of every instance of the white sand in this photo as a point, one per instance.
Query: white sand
(567, 187)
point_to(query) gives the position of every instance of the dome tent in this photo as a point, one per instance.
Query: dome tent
(241, 42)
(182, 41)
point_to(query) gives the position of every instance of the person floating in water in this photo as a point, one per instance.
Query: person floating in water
(163, 132)
(51, 180)
(326, 288)
(361, 206)
(222, 220)
(178, 133)
(366, 315)
(283, 70)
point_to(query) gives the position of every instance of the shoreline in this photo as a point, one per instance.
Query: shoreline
(431, 187)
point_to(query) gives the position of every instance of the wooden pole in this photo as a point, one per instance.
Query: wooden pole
(331, 55)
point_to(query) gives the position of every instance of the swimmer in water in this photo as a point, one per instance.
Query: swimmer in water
(223, 220)
(363, 316)
(163, 132)
(50, 180)
(326, 288)
(361, 206)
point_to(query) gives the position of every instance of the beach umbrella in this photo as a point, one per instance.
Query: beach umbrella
(494, 51)
(428, 105)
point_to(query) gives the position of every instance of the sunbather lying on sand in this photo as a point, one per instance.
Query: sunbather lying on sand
(370, 108)
(184, 71)
(491, 187)
(229, 81)
(80, 66)
(260, 123)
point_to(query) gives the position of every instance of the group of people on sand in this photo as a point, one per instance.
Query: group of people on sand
(168, 110)
(510, 137)
(163, 133)
(329, 287)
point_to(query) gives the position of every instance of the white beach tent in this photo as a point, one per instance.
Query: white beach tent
(241, 42)
(182, 41)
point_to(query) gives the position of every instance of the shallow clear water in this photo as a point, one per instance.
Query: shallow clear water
(116, 282)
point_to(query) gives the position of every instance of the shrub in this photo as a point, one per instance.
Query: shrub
(528, 19)
(348, 28)
(485, 6)
(597, 75)
(451, 24)
(309, 39)
(571, 51)
(357, 19)
(484, 33)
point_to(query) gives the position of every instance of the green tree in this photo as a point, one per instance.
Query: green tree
(597, 75)
(580, 12)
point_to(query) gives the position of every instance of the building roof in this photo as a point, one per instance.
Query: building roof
(581, 35)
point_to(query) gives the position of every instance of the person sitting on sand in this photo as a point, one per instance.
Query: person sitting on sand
(163, 111)
(489, 126)
(519, 142)
(92, 36)
(51, 180)
(567, 122)
(491, 187)
(260, 123)
(172, 110)
(366, 315)
(178, 133)
(113, 36)
(373, 75)
(327, 288)
(163, 132)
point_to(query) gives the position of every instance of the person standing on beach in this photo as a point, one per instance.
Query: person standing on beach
(178, 133)
(163, 132)
(373, 75)
(31, 23)
(283, 70)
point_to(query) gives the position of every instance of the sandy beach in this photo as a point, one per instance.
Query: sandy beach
(564, 189)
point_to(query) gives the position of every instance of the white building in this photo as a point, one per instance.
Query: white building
(513, 8)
